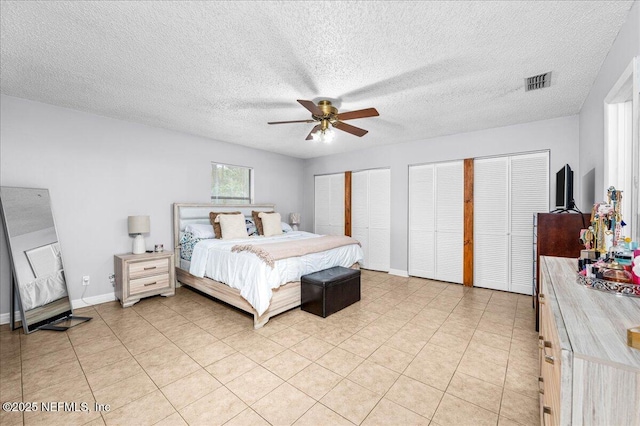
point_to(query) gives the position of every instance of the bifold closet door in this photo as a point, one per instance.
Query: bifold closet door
(508, 191)
(329, 204)
(371, 216)
(436, 221)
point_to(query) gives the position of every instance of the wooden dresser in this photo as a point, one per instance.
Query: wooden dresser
(588, 374)
(143, 275)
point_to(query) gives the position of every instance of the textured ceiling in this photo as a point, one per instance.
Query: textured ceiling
(223, 69)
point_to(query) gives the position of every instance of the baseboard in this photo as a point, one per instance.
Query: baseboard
(76, 304)
(93, 300)
(398, 272)
(6, 318)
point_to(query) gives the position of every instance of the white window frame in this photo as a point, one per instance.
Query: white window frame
(229, 199)
(622, 146)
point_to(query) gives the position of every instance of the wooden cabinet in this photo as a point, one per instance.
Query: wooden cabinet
(143, 275)
(588, 375)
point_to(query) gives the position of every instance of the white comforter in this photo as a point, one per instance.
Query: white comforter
(254, 278)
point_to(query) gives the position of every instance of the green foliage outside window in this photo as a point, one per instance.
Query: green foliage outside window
(230, 184)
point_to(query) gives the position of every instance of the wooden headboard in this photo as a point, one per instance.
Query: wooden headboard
(190, 213)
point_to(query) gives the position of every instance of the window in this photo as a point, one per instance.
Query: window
(231, 184)
(621, 161)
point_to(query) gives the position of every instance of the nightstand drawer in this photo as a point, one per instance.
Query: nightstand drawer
(148, 268)
(155, 282)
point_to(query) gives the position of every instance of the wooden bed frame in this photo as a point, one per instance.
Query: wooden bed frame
(284, 298)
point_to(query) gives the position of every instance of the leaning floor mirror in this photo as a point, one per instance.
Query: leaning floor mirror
(37, 271)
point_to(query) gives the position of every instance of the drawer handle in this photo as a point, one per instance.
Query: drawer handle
(549, 359)
(541, 298)
(150, 267)
(541, 379)
(546, 410)
(547, 344)
(147, 284)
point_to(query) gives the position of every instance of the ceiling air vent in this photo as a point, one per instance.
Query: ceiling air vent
(537, 81)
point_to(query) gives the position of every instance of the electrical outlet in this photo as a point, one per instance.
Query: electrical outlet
(85, 280)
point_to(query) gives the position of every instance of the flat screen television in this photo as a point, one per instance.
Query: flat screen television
(564, 188)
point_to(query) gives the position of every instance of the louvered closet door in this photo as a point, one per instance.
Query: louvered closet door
(379, 256)
(329, 204)
(529, 195)
(491, 223)
(421, 221)
(360, 212)
(449, 209)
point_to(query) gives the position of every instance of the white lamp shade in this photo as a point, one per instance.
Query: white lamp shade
(294, 218)
(139, 224)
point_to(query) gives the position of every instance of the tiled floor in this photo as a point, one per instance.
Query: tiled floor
(413, 351)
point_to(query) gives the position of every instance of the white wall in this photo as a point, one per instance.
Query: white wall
(624, 48)
(100, 170)
(559, 135)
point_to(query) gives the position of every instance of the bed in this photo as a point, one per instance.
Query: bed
(230, 282)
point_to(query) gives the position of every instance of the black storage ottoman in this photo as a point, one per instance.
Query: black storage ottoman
(326, 292)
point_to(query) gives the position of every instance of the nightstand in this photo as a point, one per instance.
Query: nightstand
(143, 275)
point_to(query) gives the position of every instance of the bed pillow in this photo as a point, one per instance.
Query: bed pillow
(201, 230)
(251, 227)
(286, 227)
(257, 221)
(187, 243)
(216, 225)
(271, 224)
(232, 226)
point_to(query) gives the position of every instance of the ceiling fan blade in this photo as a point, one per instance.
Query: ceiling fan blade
(315, 129)
(350, 129)
(313, 108)
(294, 121)
(361, 113)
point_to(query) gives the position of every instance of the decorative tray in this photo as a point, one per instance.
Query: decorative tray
(622, 289)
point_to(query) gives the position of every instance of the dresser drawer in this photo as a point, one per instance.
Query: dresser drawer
(147, 268)
(155, 282)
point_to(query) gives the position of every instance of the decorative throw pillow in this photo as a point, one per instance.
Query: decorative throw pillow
(271, 224)
(201, 230)
(257, 221)
(232, 226)
(216, 225)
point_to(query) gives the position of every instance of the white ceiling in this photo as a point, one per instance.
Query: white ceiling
(223, 69)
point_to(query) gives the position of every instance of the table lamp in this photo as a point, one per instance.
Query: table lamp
(139, 225)
(294, 220)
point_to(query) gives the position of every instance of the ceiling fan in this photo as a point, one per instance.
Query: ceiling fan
(326, 114)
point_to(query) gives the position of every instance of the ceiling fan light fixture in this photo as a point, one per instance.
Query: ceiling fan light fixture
(324, 136)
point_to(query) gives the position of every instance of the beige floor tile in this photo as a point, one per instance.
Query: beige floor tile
(414, 395)
(351, 401)
(520, 408)
(476, 391)
(75, 390)
(387, 413)
(262, 352)
(374, 377)
(174, 419)
(340, 361)
(52, 359)
(244, 339)
(525, 384)
(193, 338)
(524, 364)
(110, 374)
(454, 411)
(321, 415)
(410, 338)
(149, 409)
(38, 346)
(494, 327)
(159, 356)
(493, 340)
(208, 354)
(483, 369)
(31, 382)
(284, 405)
(123, 392)
(503, 421)
(247, 418)
(11, 389)
(96, 345)
(177, 368)
(289, 337)
(360, 345)
(432, 369)
(104, 358)
(190, 388)
(231, 367)
(11, 417)
(315, 381)
(255, 384)
(391, 358)
(449, 341)
(334, 335)
(215, 408)
(312, 348)
(271, 328)
(286, 364)
(140, 344)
